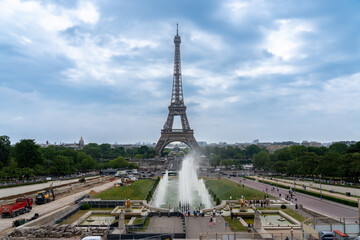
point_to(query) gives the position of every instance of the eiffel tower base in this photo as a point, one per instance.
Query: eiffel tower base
(169, 137)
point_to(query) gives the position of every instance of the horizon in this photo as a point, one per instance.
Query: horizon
(250, 70)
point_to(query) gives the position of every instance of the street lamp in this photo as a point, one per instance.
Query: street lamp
(320, 188)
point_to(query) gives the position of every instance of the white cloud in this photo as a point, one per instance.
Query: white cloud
(287, 40)
(336, 96)
(240, 12)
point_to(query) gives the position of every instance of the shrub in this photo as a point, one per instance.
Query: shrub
(217, 201)
(85, 206)
(283, 206)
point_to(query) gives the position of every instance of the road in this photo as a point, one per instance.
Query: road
(325, 207)
(6, 192)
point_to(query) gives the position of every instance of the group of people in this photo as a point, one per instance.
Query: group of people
(196, 213)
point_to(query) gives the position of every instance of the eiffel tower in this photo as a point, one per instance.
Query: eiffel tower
(176, 108)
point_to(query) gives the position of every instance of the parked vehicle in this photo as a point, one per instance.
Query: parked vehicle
(22, 205)
(44, 197)
(340, 235)
(323, 235)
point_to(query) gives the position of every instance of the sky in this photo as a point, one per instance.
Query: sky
(270, 70)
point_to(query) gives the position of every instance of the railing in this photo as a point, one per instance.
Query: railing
(252, 236)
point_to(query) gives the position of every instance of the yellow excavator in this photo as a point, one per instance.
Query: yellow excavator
(44, 197)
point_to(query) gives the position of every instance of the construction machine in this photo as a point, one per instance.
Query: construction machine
(44, 197)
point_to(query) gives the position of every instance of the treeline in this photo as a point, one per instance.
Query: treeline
(228, 156)
(338, 161)
(27, 159)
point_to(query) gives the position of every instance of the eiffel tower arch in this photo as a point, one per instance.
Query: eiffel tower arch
(176, 108)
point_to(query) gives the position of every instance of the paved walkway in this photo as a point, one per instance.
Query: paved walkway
(299, 184)
(165, 225)
(197, 225)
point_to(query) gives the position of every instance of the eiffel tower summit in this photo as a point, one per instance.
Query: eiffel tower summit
(176, 108)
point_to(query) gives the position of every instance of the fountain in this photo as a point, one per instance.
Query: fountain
(186, 191)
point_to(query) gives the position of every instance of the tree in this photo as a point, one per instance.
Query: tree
(279, 167)
(27, 153)
(251, 150)
(309, 162)
(214, 160)
(93, 150)
(354, 148)
(328, 164)
(338, 147)
(4, 150)
(228, 162)
(10, 171)
(62, 165)
(119, 162)
(88, 163)
(262, 160)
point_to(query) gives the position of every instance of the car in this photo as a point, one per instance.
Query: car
(233, 175)
(324, 235)
(357, 238)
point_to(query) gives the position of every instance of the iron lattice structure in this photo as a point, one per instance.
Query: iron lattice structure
(176, 108)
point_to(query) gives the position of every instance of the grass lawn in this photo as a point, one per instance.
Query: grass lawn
(235, 225)
(225, 188)
(136, 191)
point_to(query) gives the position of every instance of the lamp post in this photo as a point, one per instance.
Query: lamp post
(320, 188)
(294, 184)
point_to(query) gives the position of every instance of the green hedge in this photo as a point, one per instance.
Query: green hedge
(251, 178)
(279, 185)
(152, 190)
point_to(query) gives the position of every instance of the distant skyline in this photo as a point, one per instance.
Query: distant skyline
(267, 70)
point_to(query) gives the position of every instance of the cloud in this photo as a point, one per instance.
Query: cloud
(287, 41)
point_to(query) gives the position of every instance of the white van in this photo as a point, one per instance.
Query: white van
(92, 238)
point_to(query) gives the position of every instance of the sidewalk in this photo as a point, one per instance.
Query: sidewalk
(197, 225)
(311, 189)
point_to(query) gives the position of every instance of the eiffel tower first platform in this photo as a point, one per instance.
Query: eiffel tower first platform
(176, 108)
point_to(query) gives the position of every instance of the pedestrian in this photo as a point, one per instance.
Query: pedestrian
(232, 215)
(214, 212)
(226, 225)
(220, 213)
(249, 227)
(211, 222)
(292, 233)
(214, 220)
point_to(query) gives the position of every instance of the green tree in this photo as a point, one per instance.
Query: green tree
(279, 167)
(93, 149)
(10, 171)
(138, 156)
(338, 147)
(262, 160)
(4, 150)
(354, 148)
(27, 153)
(228, 162)
(328, 164)
(251, 150)
(62, 165)
(214, 160)
(88, 163)
(119, 162)
(309, 162)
